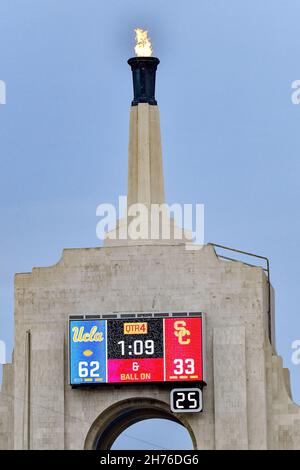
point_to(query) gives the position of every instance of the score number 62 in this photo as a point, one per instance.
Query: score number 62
(184, 366)
(88, 369)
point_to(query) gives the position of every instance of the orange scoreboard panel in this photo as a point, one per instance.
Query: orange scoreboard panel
(136, 350)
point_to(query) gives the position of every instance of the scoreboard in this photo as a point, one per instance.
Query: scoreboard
(136, 350)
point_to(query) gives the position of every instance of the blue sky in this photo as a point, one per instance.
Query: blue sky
(230, 131)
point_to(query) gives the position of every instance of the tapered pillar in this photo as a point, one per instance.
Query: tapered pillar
(145, 169)
(150, 222)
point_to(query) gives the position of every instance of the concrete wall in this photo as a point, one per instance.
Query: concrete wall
(239, 400)
(7, 408)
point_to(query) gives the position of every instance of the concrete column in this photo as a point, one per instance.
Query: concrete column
(230, 393)
(133, 158)
(143, 148)
(47, 390)
(145, 170)
(156, 164)
(7, 408)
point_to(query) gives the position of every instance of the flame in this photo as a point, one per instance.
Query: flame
(143, 46)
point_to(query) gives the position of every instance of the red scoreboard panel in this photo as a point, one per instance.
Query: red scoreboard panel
(137, 350)
(183, 349)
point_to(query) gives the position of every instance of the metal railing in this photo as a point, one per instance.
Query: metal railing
(266, 269)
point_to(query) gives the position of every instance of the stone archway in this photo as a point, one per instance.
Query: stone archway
(115, 419)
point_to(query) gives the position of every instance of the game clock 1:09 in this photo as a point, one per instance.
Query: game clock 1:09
(139, 350)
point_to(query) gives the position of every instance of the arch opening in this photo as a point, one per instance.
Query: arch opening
(154, 434)
(132, 424)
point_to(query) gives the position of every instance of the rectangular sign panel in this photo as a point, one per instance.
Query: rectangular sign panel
(183, 349)
(88, 351)
(186, 400)
(136, 351)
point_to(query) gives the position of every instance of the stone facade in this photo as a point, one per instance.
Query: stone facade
(247, 401)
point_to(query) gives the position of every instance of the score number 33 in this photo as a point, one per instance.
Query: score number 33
(184, 366)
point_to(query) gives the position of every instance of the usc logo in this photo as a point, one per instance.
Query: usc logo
(181, 332)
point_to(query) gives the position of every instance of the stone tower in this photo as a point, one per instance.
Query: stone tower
(247, 400)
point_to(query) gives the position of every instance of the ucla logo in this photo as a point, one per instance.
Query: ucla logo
(93, 336)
